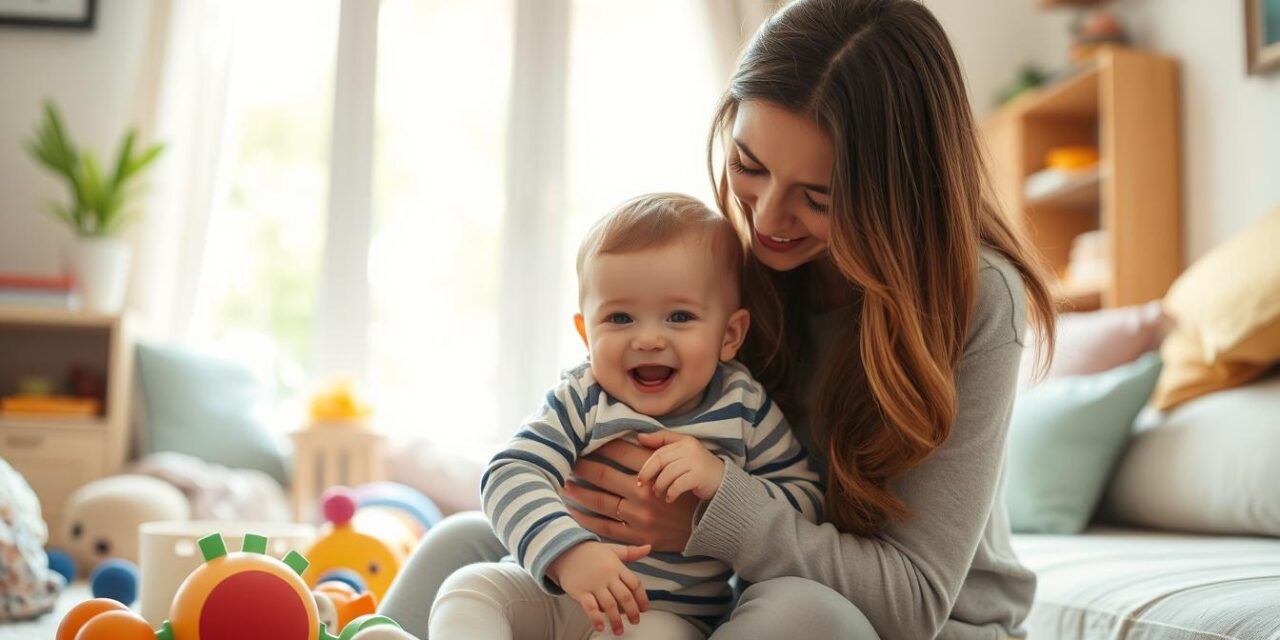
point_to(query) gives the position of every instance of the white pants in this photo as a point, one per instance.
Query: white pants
(500, 600)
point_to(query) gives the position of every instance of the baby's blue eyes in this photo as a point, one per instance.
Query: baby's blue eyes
(678, 317)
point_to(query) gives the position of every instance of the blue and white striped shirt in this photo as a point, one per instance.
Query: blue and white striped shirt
(736, 421)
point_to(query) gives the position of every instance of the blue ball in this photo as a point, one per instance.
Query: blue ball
(60, 562)
(116, 579)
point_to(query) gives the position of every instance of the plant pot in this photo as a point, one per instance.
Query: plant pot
(100, 268)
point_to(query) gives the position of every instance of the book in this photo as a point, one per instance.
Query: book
(23, 405)
(28, 282)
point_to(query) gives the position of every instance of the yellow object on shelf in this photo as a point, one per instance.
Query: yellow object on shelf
(339, 403)
(1071, 158)
(50, 406)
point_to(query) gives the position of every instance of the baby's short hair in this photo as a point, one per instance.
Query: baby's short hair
(656, 220)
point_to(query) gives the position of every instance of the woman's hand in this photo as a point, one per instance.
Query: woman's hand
(637, 515)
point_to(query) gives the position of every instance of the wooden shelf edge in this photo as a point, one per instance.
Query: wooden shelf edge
(70, 423)
(1083, 190)
(12, 314)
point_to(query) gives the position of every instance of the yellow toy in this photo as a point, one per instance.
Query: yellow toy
(339, 403)
(365, 545)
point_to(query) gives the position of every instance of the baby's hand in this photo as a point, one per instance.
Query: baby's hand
(680, 464)
(593, 574)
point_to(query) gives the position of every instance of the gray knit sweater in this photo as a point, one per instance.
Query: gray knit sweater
(948, 571)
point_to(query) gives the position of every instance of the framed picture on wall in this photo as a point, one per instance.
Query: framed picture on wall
(65, 14)
(1262, 34)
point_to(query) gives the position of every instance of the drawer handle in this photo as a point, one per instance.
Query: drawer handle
(24, 441)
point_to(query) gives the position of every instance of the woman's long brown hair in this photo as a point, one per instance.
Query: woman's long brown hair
(911, 208)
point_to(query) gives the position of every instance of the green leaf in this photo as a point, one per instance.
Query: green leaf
(123, 159)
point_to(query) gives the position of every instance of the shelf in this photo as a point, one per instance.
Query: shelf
(1080, 190)
(97, 423)
(46, 316)
(1075, 96)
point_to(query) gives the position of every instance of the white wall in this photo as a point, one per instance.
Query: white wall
(95, 77)
(1230, 120)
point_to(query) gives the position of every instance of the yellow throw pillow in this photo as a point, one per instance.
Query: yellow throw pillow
(1227, 310)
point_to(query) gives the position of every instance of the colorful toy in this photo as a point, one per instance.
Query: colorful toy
(339, 603)
(371, 531)
(243, 595)
(246, 595)
(116, 579)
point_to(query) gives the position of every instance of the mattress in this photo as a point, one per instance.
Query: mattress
(1117, 584)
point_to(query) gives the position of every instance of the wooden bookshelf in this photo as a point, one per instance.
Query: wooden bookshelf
(1125, 103)
(55, 454)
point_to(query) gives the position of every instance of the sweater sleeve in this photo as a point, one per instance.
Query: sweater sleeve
(905, 580)
(519, 490)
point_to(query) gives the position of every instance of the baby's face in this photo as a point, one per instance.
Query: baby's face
(657, 323)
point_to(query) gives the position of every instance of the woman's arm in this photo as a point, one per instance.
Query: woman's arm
(906, 580)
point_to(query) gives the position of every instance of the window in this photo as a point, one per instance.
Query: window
(632, 96)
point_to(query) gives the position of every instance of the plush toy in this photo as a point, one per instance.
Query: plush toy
(371, 531)
(101, 518)
(28, 587)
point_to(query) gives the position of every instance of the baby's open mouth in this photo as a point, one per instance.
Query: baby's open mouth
(651, 375)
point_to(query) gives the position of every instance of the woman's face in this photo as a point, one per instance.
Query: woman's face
(780, 174)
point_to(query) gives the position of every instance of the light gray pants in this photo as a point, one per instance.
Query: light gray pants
(501, 601)
(779, 608)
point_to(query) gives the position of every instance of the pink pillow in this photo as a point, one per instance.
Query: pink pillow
(447, 473)
(1096, 341)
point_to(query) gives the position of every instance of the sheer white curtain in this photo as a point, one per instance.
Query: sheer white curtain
(185, 106)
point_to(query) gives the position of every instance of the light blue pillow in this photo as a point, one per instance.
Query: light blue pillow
(1064, 439)
(205, 407)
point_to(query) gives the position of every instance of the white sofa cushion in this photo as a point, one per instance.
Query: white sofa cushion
(1109, 584)
(1211, 465)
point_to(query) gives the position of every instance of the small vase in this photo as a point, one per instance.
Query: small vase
(100, 268)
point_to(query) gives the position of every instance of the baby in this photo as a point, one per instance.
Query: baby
(661, 316)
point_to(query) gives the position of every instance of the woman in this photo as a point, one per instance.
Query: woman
(888, 300)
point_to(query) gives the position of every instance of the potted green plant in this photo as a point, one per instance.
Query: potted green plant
(98, 210)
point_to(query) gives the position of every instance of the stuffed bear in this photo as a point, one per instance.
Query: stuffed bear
(101, 519)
